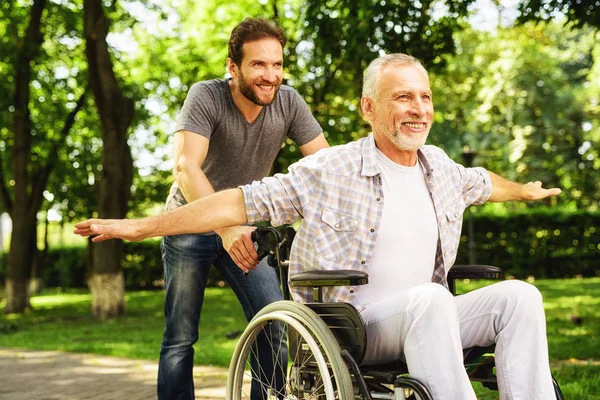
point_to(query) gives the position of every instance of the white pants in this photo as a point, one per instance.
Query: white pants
(429, 328)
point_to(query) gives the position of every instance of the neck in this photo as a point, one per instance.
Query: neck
(399, 156)
(248, 109)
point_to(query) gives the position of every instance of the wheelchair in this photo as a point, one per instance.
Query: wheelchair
(327, 341)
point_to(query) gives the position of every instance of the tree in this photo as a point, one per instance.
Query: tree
(577, 12)
(33, 141)
(524, 105)
(116, 113)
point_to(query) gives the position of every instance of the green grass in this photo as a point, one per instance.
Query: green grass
(62, 322)
(574, 349)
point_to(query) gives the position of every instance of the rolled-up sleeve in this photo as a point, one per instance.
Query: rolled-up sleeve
(280, 198)
(477, 185)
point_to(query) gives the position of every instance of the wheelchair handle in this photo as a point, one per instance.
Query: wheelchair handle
(260, 236)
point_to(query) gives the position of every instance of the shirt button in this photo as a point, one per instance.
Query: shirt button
(372, 230)
(352, 291)
(363, 262)
(440, 224)
(379, 198)
(337, 225)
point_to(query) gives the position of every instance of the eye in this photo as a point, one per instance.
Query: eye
(278, 65)
(427, 97)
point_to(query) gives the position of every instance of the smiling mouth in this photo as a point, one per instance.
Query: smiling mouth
(267, 88)
(415, 125)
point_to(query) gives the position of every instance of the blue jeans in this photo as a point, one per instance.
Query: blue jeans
(187, 260)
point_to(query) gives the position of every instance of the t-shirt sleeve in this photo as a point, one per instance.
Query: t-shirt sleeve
(304, 127)
(198, 112)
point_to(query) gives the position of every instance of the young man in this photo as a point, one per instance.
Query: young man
(228, 134)
(390, 205)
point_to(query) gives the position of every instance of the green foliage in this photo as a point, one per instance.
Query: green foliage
(65, 267)
(527, 106)
(577, 12)
(335, 41)
(543, 243)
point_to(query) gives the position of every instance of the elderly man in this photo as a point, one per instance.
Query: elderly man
(392, 206)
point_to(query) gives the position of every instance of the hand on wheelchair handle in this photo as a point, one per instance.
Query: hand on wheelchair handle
(261, 242)
(261, 238)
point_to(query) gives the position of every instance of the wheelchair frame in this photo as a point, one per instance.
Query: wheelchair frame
(327, 341)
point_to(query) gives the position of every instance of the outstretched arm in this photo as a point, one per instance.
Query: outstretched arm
(212, 212)
(505, 190)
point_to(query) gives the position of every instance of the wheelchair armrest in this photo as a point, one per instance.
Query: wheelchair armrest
(319, 278)
(474, 272)
(471, 272)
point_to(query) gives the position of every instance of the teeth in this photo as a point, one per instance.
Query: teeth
(413, 125)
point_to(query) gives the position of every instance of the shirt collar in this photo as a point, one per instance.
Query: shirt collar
(369, 158)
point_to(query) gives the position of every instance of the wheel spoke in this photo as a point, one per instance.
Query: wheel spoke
(313, 368)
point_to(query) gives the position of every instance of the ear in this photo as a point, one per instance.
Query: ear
(367, 107)
(232, 68)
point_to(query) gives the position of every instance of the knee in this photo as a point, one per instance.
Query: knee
(522, 291)
(434, 299)
(522, 297)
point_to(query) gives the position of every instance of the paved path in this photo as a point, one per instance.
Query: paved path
(54, 375)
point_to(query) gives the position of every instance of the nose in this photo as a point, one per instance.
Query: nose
(270, 74)
(418, 106)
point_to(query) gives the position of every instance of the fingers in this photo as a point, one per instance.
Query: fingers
(103, 228)
(83, 228)
(245, 257)
(537, 191)
(243, 253)
(100, 238)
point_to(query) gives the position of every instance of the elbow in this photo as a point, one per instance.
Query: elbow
(182, 170)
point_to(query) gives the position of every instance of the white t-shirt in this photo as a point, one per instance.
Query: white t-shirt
(406, 245)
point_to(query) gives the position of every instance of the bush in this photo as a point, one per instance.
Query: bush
(142, 266)
(542, 243)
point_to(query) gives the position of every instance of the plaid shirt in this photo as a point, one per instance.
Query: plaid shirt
(338, 194)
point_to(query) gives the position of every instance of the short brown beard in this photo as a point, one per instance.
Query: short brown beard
(251, 95)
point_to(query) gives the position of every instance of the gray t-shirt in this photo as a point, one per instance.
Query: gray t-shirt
(239, 152)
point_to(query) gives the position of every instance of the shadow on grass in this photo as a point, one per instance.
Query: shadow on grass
(63, 322)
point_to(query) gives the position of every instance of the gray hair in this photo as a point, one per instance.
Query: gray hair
(373, 71)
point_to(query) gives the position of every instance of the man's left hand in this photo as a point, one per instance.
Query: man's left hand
(535, 191)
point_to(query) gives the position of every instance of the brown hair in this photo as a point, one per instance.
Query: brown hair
(249, 30)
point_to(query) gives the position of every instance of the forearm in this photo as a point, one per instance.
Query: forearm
(207, 214)
(505, 190)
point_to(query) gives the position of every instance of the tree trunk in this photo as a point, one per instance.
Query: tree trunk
(19, 265)
(22, 208)
(38, 263)
(116, 114)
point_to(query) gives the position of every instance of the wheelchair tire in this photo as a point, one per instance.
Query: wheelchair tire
(314, 368)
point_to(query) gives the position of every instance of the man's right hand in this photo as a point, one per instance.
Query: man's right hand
(128, 229)
(237, 241)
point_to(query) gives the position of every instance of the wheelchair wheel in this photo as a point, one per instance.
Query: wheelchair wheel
(312, 369)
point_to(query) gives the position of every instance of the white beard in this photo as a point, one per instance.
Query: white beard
(405, 142)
